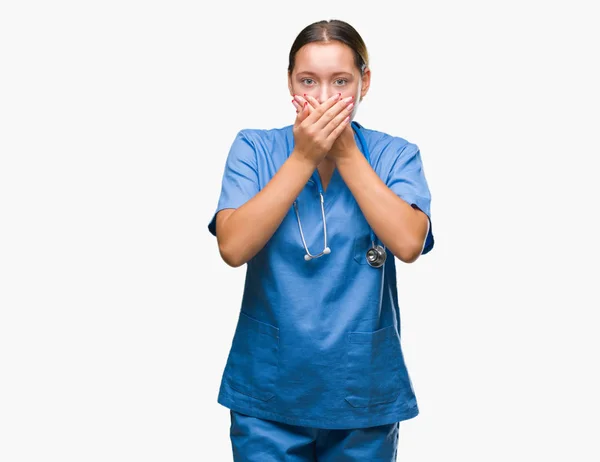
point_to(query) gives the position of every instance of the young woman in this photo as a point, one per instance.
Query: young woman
(317, 211)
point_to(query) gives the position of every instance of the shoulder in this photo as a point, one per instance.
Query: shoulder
(386, 145)
(266, 137)
(258, 145)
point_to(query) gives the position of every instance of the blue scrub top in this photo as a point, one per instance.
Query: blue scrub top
(317, 342)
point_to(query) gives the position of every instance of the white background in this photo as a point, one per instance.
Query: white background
(117, 313)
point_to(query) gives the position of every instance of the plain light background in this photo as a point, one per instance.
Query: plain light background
(117, 312)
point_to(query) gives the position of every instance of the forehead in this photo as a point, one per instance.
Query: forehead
(324, 57)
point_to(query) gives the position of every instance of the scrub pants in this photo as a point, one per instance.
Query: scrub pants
(259, 440)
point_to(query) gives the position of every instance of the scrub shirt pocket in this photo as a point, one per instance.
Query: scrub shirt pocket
(361, 245)
(254, 358)
(375, 366)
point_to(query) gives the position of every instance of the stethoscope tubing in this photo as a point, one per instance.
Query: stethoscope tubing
(376, 255)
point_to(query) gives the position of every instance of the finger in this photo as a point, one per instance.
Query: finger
(338, 119)
(332, 112)
(302, 115)
(302, 100)
(339, 129)
(297, 106)
(322, 108)
(339, 108)
(312, 101)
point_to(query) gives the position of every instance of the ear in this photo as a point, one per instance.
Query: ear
(365, 83)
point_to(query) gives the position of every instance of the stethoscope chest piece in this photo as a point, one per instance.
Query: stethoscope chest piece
(376, 256)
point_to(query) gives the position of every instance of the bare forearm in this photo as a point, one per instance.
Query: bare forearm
(399, 226)
(246, 231)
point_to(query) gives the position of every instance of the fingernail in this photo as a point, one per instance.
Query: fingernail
(305, 103)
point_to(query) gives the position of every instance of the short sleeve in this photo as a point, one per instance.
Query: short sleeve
(240, 178)
(407, 179)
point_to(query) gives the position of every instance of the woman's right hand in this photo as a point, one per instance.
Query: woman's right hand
(315, 130)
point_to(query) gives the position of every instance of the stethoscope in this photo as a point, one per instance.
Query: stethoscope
(376, 255)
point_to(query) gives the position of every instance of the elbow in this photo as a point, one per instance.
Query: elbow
(410, 258)
(230, 256)
(410, 248)
(408, 252)
(407, 257)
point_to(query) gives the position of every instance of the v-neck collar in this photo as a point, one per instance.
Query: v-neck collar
(331, 179)
(335, 182)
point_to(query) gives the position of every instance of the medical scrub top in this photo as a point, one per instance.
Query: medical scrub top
(317, 342)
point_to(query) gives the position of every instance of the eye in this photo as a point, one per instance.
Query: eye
(343, 82)
(307, 81)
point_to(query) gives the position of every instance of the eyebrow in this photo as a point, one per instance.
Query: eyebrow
(312, 74)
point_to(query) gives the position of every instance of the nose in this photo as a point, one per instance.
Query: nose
(324, 94)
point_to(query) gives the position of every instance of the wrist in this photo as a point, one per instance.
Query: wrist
(348, 157)
(303, 160)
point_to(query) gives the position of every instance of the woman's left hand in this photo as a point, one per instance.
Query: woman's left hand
(344, 145)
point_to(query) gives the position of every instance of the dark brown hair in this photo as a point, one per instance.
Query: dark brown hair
(327, 31)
